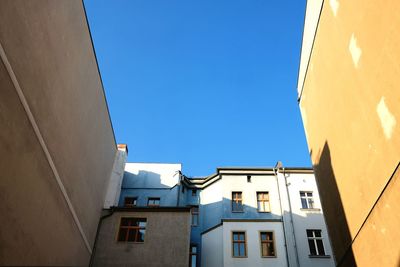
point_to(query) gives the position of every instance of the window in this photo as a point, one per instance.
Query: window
(153, 202)
(194, 192)
(132, 230)
(248, 178)
(315, 242)
(263, 202)
(267, 244)
(307, 201)
(193, 256)
(195, 216)
(239, 249)
(237, 204)
(130, 201)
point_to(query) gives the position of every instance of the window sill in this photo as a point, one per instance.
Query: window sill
(319, 256)
(239, 257)
(237, 211)
(259, 211)
(128, 242)
(268, 257)
(313, 209)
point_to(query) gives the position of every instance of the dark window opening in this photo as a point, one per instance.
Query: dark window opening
(132, 230)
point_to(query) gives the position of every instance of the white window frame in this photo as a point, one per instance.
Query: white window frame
(309, 198)
(314, 238)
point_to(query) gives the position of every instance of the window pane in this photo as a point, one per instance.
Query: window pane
(263, 236)
(132, 235)
(122, 234)
(302, 194)
(309, 233)
(264, 250)
(125, 221)
(141, 235)
(142, 223)
(194, 249)
(193, 261)
(242, 249)
(320, 245)
(310, 203)
(304, 203)
(317, 233)
(312, 247)
(235, 236)
(241, 236)
(235, 249)
(269, 235)
(270, 250)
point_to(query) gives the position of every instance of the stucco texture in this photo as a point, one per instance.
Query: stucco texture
(351, 114)
(166, 242)
(48, 47)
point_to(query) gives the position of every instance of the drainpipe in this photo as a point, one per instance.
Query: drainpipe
(97, 234)
(291, 217)
(283, 223)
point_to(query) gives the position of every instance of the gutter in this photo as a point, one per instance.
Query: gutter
(291, 217)
(111, 212)
(283, 222)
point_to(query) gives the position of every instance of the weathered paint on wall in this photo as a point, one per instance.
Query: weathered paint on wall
(350, 111)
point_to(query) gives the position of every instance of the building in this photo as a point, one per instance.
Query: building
(57, 144)
(349, 100)
(148, 227)
(238, 216)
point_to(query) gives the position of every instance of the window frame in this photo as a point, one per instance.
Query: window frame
(239, 242)
(261, 243)
(307, 198)
(263, 201)
(153, 198)
(129, 227)
(130, 205)
(315, 238)
(233, 200)
(191, 253)
(193, 213)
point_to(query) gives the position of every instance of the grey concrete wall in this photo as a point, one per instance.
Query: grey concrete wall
(167, 241)
(60, 138)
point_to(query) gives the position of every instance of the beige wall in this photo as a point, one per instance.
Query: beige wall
(351, 115)
(167, 240)
(63, 132)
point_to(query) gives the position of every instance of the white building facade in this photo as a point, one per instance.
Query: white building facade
(240, 216)
(267, 217)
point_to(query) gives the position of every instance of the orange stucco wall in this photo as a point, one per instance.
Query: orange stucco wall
(350, 106)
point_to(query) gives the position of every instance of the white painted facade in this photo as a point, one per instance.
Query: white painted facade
(287, 219)
(117, 173)
(212, 195)
(304, 219)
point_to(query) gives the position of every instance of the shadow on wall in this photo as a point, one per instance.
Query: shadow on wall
(211, 214)
(333, 209)
(143, 179)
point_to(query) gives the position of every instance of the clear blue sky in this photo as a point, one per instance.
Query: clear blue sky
(205, 83)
